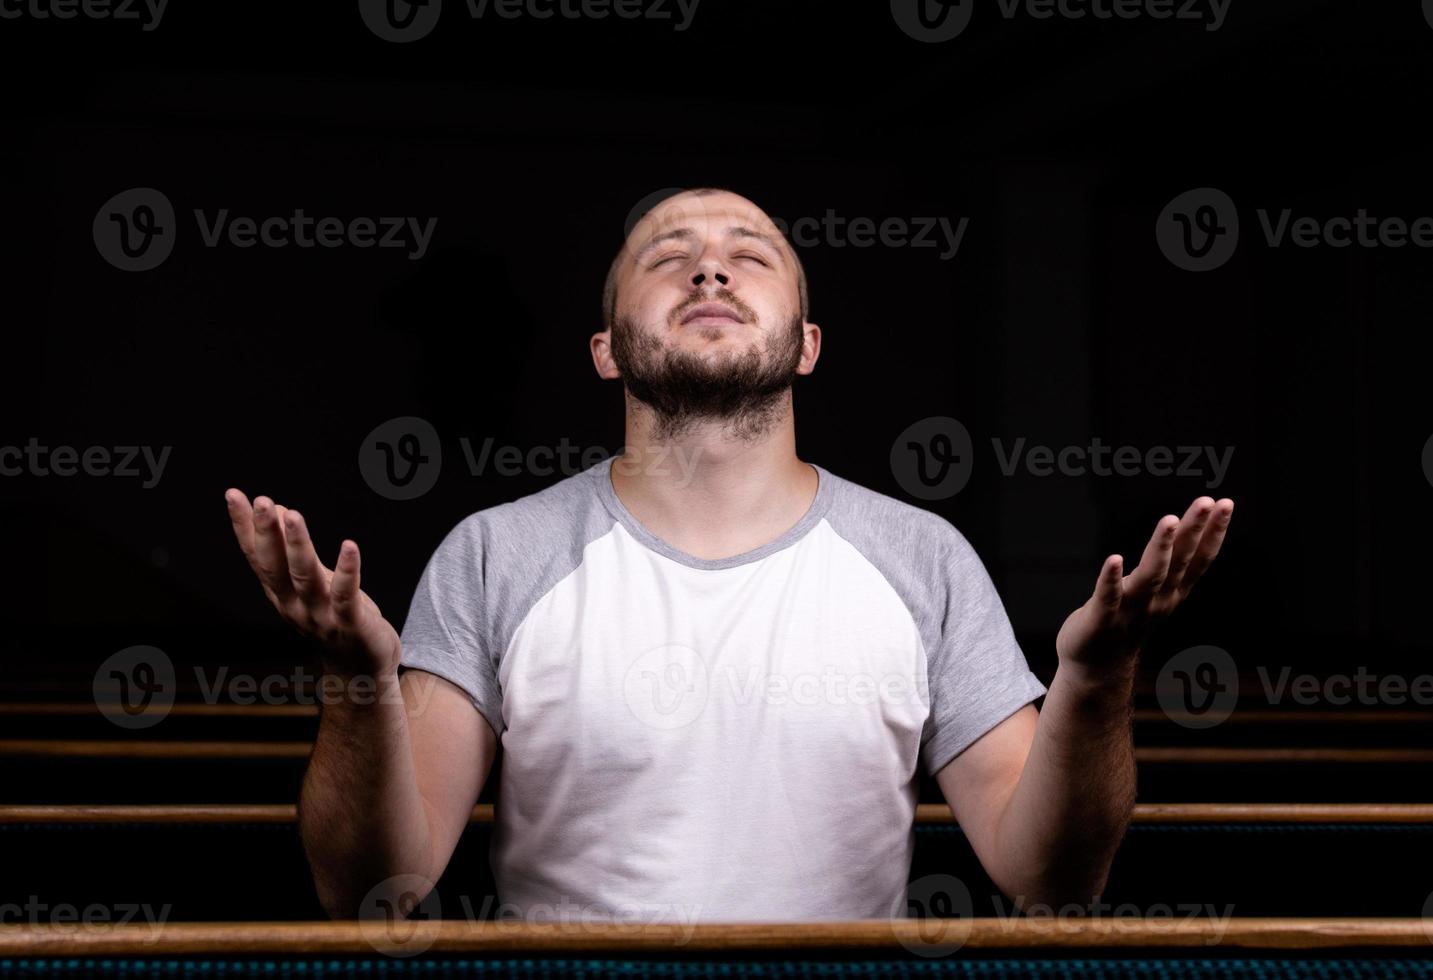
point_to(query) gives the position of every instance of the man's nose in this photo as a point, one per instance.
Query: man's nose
(711, 270)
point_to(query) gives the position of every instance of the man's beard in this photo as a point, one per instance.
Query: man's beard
(743, 391)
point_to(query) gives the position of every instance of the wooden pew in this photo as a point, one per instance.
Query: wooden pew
(238, 862)
(1253, 947)
(150, 770)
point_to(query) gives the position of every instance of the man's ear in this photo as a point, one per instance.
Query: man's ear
(601, 344)
(810, 348)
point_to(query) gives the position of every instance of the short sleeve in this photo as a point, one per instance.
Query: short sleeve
(977, 673)
(447, 622)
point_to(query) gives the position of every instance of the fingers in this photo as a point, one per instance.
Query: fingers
(1186, 540)
(241, 518)
(1109, 586)
(344, 587)
(309, 576)
(1153, 565)
(1210, 542)
(247, 522)
(270, 559)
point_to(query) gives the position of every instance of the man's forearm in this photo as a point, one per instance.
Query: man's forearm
(1068, 812)
(361, 816)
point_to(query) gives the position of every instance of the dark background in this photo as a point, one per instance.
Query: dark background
(531, 141)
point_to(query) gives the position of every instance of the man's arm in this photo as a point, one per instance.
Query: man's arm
(398, 763)
(1044, 797)
(389, 790)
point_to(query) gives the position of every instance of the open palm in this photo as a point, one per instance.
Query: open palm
(1109, 628)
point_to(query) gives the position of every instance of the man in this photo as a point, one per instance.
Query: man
(714, 668)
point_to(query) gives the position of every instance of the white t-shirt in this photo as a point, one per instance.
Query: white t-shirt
(687, 739)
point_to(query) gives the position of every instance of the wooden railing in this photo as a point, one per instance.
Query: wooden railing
(926, 813)
(258, 750)
(893, 936)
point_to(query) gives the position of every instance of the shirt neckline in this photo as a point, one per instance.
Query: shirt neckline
(825, 492)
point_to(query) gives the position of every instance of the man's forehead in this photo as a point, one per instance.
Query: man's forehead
(699, 213)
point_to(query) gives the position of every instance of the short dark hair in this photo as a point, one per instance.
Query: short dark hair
(609, 288)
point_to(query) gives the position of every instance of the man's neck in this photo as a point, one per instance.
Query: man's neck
(709, 494)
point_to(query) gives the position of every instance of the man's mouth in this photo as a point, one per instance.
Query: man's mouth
(712, 313)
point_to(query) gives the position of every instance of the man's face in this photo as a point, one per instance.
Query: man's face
(708, 322)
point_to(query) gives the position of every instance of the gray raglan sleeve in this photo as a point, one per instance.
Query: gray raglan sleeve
(977, 672)
(447, 625)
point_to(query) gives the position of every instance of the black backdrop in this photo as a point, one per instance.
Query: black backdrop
(530, 140)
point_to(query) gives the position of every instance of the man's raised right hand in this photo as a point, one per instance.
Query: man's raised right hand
(326, 605)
